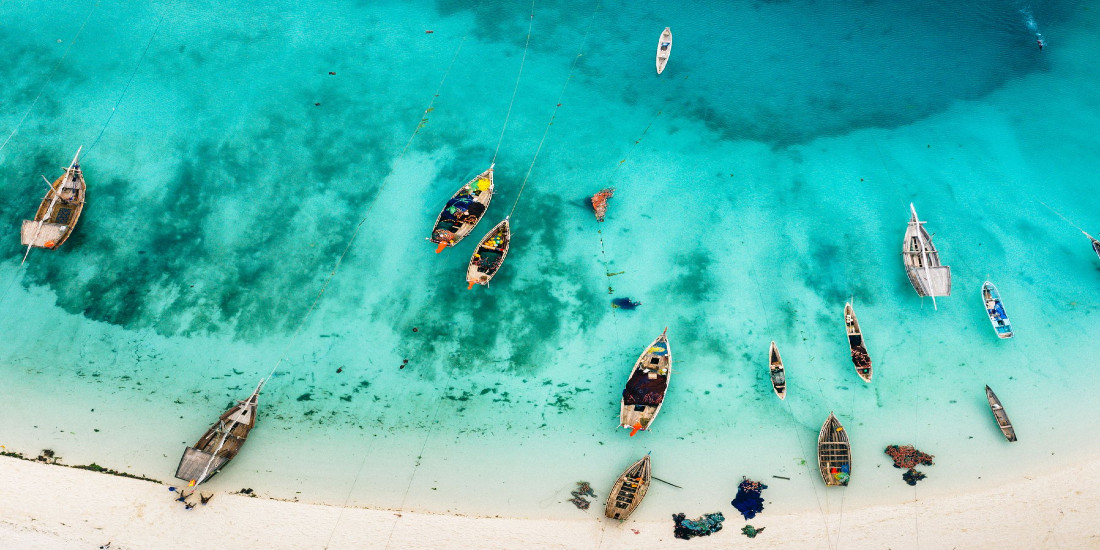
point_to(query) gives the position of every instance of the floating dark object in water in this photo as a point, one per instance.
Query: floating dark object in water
(416, 329)
(339, 370)
(624, 303)
(428, 32)
(584, 489)
(405, 361)
(748, 500)
(580, 503)
(704, 526)
(332, 72)
(751, 532)
(402, 366)
(905, 456)
(599, 200)
(912, 476)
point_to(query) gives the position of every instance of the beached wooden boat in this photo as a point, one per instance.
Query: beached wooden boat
(776, 372)
(462, 212)
(628, 491)
(647, 385)
(1000, 415)
(860, 358)
(834, 453)
(922, 261)
(59, 211)
(664, 49)
(220, 443)
(489, 255)
(996, 311)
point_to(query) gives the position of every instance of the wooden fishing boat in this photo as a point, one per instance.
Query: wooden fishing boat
(664, 49)
(220, 443)
(647, 385)
(860, 358)
(834, 453)
(1000, 415)
(488, 256)
(1095, 246)
(775, 370)
(462, 212)
(59, 211)
(628, 491)
(922, 261)
(996, 311)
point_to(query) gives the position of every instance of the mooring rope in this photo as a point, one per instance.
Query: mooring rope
(50, 77)
(508, 115)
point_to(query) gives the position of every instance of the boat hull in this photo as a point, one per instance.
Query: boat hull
(664, 49)
(647, 385)
(629, 490)
(834, 453)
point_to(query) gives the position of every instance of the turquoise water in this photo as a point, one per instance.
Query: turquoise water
(762, 180)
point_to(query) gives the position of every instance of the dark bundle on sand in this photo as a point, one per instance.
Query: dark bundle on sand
(905, 456)
(913, 476)
(599, 202)
(687, 528)
(748, 500)
(751, 532)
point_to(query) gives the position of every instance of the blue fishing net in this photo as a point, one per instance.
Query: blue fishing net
(748, 500)
(704, 526)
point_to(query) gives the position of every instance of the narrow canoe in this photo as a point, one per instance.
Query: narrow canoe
(220, 443)
(463, 211)
(58, 212)
(628, 491)
(664, 49)
(922, 261)
(1095, 246)
(489, 255)
(776, 372)
(646, 388)
(996, 310)
(860, 358)
(1000, 415)
(834, 453)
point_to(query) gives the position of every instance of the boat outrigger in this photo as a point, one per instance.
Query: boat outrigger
(646, 388)
(922, 261)
(220, 443)
(59, 211)
(463, 211)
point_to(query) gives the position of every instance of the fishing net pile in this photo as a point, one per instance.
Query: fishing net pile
(624, 303)
(860, 357)
(748, 500)
(908, 457)
(643, 390)
(583, 489)
(599, 202)
(704, 526)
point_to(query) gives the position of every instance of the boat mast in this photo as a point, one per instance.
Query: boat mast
(56, 195)
(924, 256)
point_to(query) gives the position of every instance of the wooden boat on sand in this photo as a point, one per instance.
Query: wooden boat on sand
(996, 311)
(628, 491)
(860, 358)
(462, 212)
(834, 453)
(647, 385)
(1000, 415)
(922, 261)
(489, 255)
(776, 372)
(59, 211)
(220, 443)
(664, 49)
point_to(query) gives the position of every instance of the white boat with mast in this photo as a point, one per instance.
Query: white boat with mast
(59, 211)
(220, 443)
(922, 261)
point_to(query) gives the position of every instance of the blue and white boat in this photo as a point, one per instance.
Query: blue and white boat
(996, 310)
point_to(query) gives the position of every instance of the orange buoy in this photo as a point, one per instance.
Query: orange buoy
(50, 244)
(471, 285)
(441, 246)
(635, 429)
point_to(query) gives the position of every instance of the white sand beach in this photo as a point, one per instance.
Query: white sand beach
(43, 506)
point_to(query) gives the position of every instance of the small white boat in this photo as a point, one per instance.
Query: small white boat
(664, 48)
(922, 261)
(996, 310)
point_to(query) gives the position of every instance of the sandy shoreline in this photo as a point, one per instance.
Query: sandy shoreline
(44, 506)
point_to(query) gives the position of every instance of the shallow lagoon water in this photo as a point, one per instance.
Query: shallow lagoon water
(762, 180)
